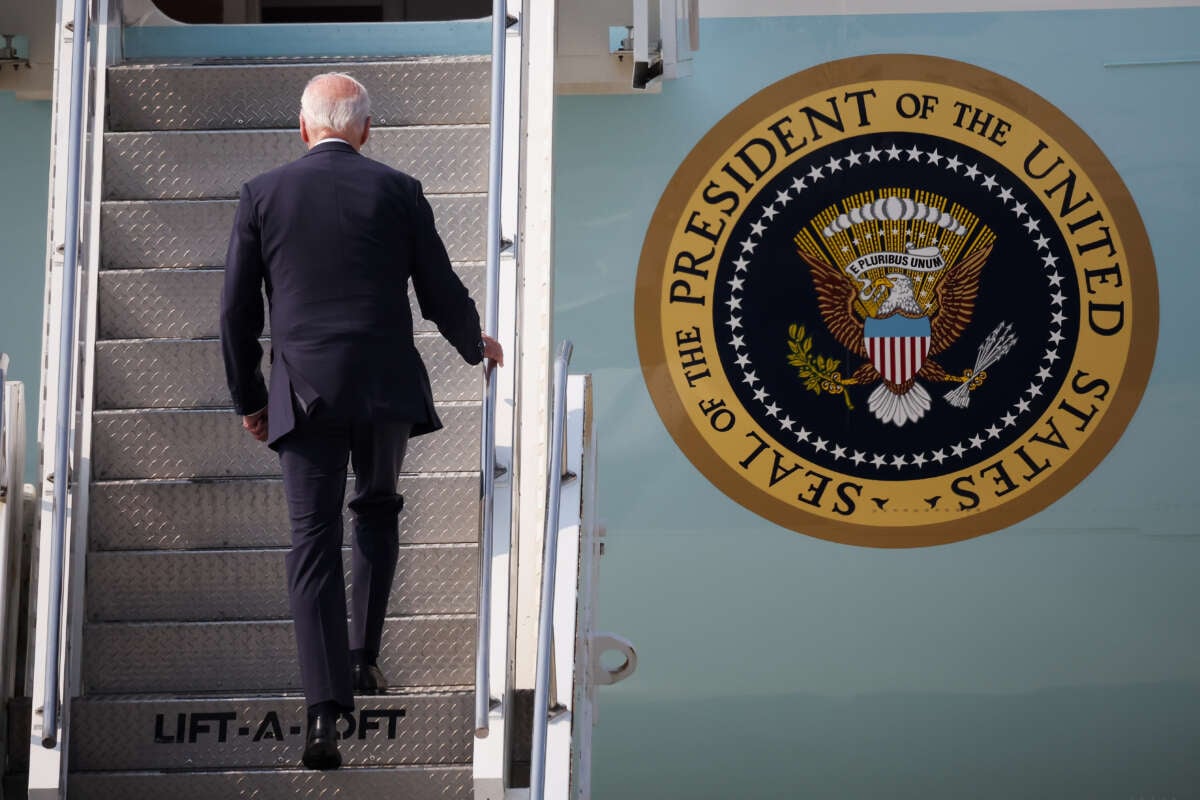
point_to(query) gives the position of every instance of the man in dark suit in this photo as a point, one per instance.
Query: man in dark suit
(335, 237)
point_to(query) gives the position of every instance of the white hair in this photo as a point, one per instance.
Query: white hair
(339, 112)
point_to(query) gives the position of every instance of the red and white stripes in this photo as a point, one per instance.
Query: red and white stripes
(898, 358)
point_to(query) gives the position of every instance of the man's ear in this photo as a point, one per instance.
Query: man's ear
(366, 132)
(304, 130)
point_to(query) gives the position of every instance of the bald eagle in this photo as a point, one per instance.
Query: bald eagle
(948, 315)
(900, 297)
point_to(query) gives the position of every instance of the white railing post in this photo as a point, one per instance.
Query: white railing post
(543, 680)
(487, 444)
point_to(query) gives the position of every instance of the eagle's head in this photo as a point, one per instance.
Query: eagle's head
(900, 296)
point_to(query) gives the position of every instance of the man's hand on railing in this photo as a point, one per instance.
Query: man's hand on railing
(493, 354)
(256, 424)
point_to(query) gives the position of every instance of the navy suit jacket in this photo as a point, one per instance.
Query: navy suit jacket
(334, 238)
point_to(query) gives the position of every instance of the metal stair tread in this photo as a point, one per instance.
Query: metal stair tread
(195, 233)
(144, 373)
(246, 584)
(117, 411)
(135, 64)
(296, 694)
(184, 302)
(375, 130)
(244, 479)
(286, 782)
(154, 513)
(262, 93)
(279, 549)
(259, 656)
(457, 616)
(228, 201)
(193, 270)
(418, 335)
(197, 443)
(233, 201)
(213, 164)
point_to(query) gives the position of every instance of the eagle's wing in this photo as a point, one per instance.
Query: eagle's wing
(835, 299)
(956, 300)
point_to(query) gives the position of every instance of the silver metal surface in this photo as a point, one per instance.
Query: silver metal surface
(209, 444)
(410, 783)
(186, 303)
(183, 585)
(487, 433)
(195, 233)
(119, 734)
(439, 508)
(205, 165)
(181, 373)
(543, 684)
(191, 96)
(261, 656)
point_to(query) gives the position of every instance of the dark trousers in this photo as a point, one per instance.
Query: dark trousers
(314, 458)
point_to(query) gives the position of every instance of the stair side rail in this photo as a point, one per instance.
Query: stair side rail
(544, 684)
(84, 47)
(487, 447)
(66, 364)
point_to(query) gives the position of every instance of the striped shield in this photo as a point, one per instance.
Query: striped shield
(897, 346)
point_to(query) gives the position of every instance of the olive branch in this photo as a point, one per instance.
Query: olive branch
(820, 374)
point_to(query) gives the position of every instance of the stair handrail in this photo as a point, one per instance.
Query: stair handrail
(66, 362)
(554, 480)
(487, 433)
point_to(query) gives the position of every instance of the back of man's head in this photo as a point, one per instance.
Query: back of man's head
(334, 104)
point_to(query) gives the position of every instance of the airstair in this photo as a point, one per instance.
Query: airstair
(177, 670)
(188, 654)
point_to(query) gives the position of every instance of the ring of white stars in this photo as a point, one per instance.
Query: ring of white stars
(897, 461)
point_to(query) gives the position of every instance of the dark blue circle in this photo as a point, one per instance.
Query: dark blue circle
(778, 292)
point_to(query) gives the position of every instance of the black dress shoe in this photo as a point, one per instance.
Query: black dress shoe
(368, 679)
(321, 750)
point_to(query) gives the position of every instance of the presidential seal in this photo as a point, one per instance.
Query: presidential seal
(896, 301)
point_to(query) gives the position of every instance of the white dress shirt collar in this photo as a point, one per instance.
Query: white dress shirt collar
(330, 139)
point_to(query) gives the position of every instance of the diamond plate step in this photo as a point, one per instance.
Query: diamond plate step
(439, 508)
(186, 303)
(411, 783)
(141, 734)
(170, 165)
(206, 444)
(195, 233)
(170, 657)
(181, 373)
(191, 96)
(183, 585)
